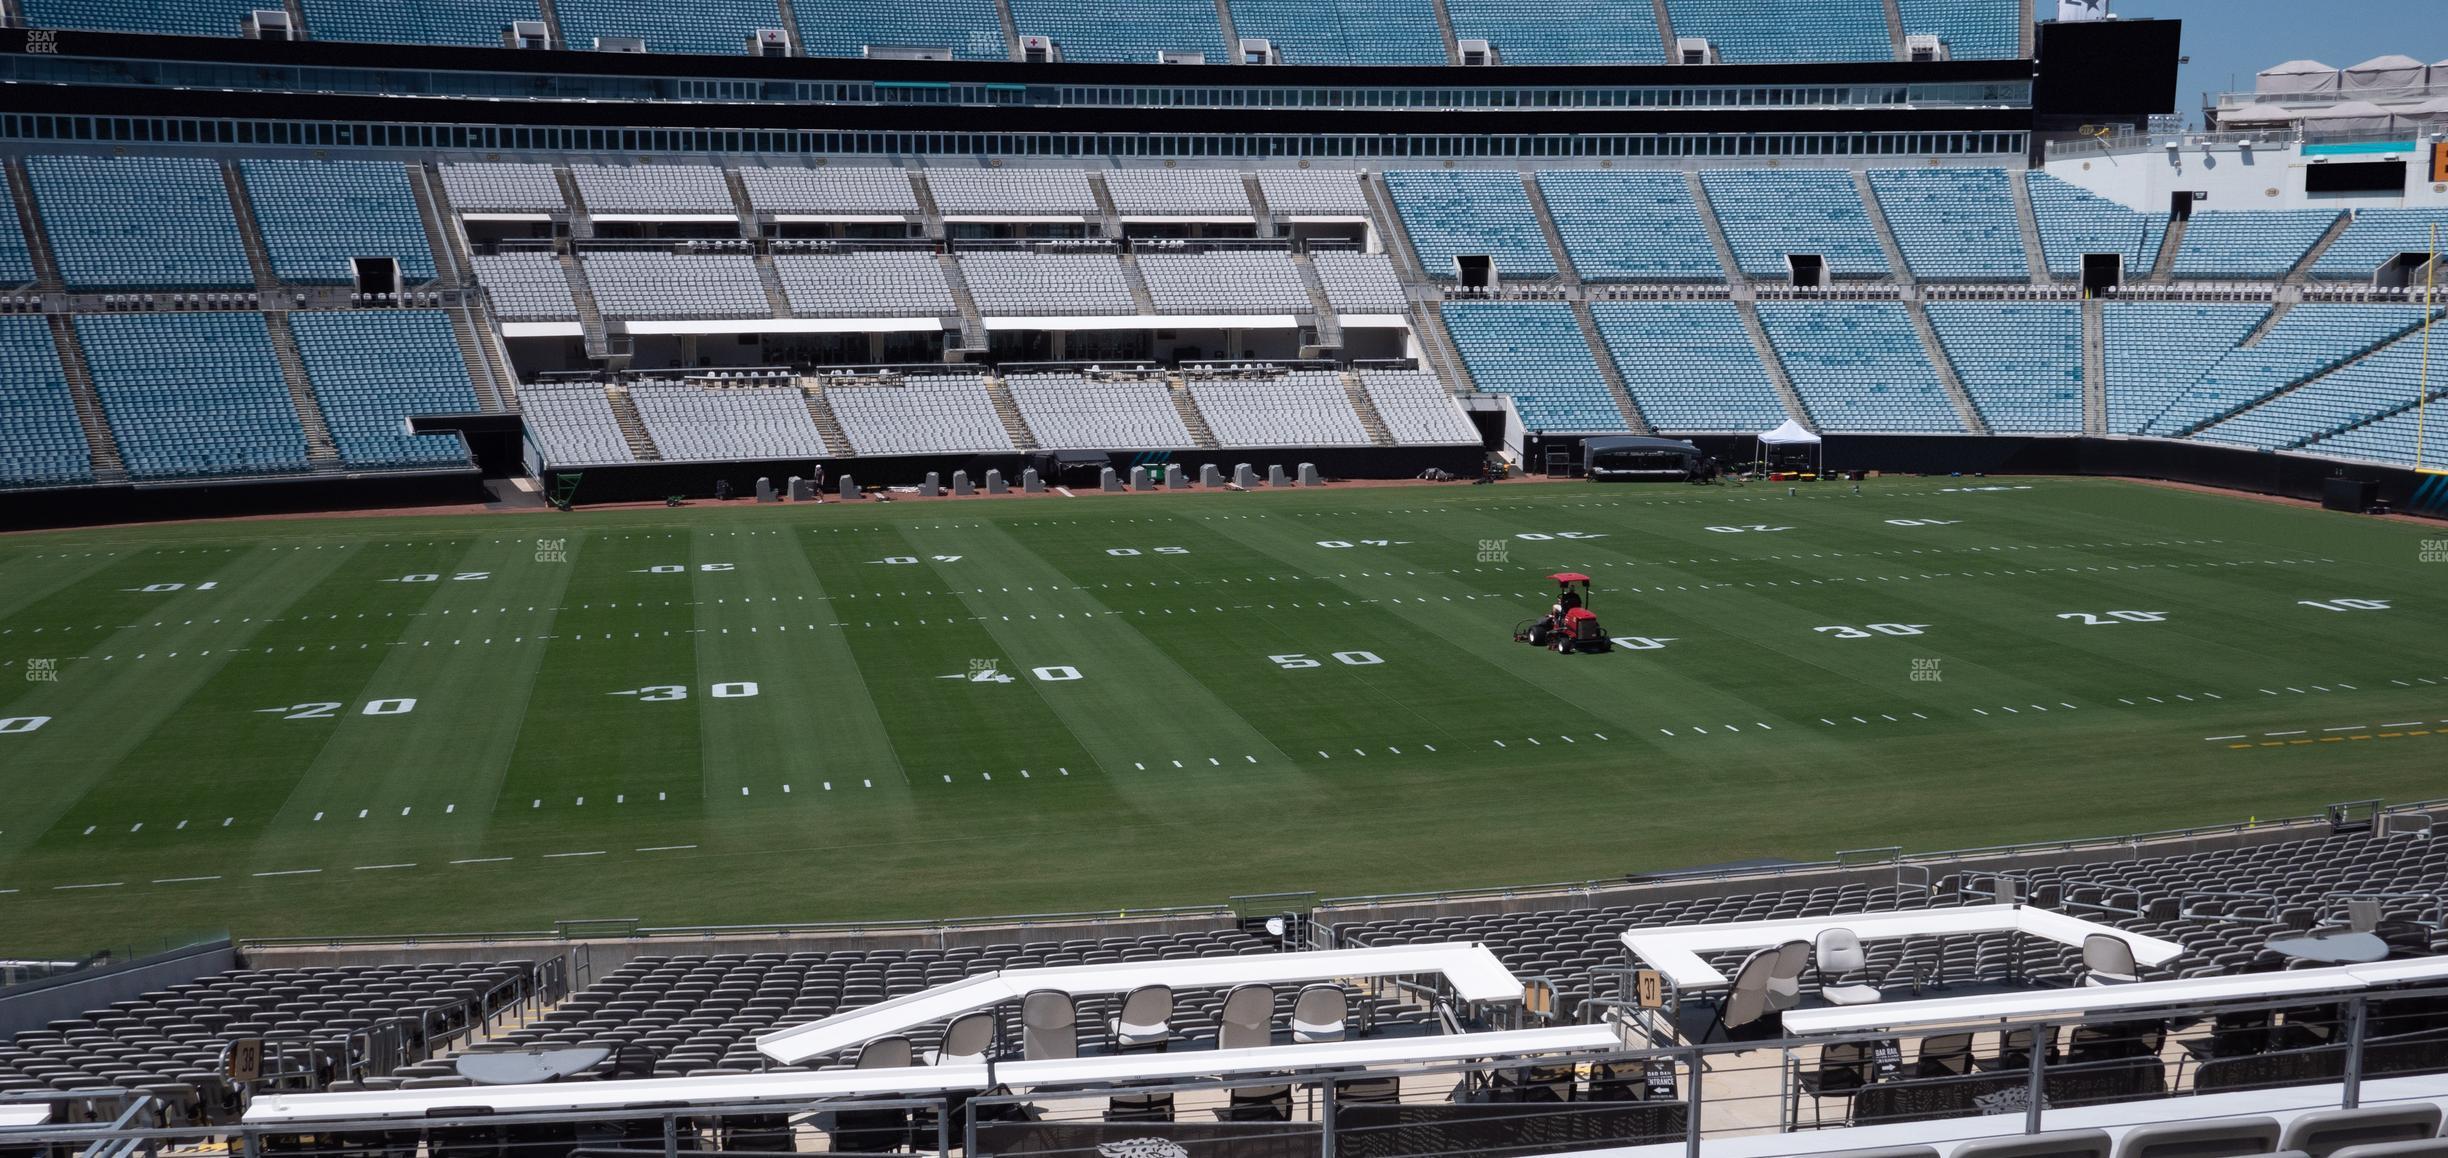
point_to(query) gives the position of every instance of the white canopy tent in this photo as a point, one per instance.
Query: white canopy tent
(2390, 73)
(2349, 116)
(1790, 433)
(2258, 117)
(2304, 77)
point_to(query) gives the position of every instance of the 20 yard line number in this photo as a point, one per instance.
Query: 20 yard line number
(21, 725)
(2112, 618)
(328, 709)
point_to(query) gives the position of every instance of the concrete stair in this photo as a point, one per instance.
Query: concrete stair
(820, 412)
(740, 202)
(1749, 313)
(1935, 350)
(2035, 254)
(1897, 268)
(1555, 238)
(1370, 419)
(1140, 297)
(108, 465)
(1014, 426)
(633, 427)
(38, 243)
(1264, 215)
(931, 215)
(973, 325)
(776, 299)
(1201, 435)
(2163, 270)
(581, 222)
(450, 267)
(590, 319)
(1638, 422)
(320, 453)
(2302, 272)
(1109, 218)
(1442, 356)
(1329, 326)
(1895, 28)
(490, 393)
(2095, 368)
(249, 235)
(1716, 229)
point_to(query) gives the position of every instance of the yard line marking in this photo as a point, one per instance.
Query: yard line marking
(482, 860)
(182, 880)
(289, 872)
(2296, 732)
(2214, 739)
(367, 868)
(2355, 728)
(2407, 724)
(104, 885)
(552, 855)
(667, 848)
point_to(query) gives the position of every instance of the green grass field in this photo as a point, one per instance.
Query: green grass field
(743, 714)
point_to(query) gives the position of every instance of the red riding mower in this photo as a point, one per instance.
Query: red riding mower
(1570, 625)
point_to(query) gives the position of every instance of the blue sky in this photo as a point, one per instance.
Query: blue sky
(2237, 38)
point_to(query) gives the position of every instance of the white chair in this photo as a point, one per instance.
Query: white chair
(1049, 1026)
(1318, 1014)
(1247, 1020)
(1146, 1019)
(2109, 960)
(1836, 953)
(966, 1040)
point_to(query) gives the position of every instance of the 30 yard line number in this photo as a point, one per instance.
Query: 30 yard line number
(1866, 631)
(1127, 552)
(673, 693)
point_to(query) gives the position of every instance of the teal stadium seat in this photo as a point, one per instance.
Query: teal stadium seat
(41, 442)
(1691, 366)
(316, 215)
(1859, 367)
(1453, 212)
(373, 368)
(1630, 225)
(1953, 224)
(1534, 352)
(1344, 31)
(131, 222)
(1770, 213)
(2020, 362)
(193, 395)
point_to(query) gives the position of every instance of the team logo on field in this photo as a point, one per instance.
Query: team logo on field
(42, 671)
(552, 551)
(1142, 1148)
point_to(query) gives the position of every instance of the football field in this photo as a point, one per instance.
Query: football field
(749, 714)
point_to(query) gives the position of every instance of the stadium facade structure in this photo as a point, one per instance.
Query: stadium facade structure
(755, 255)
